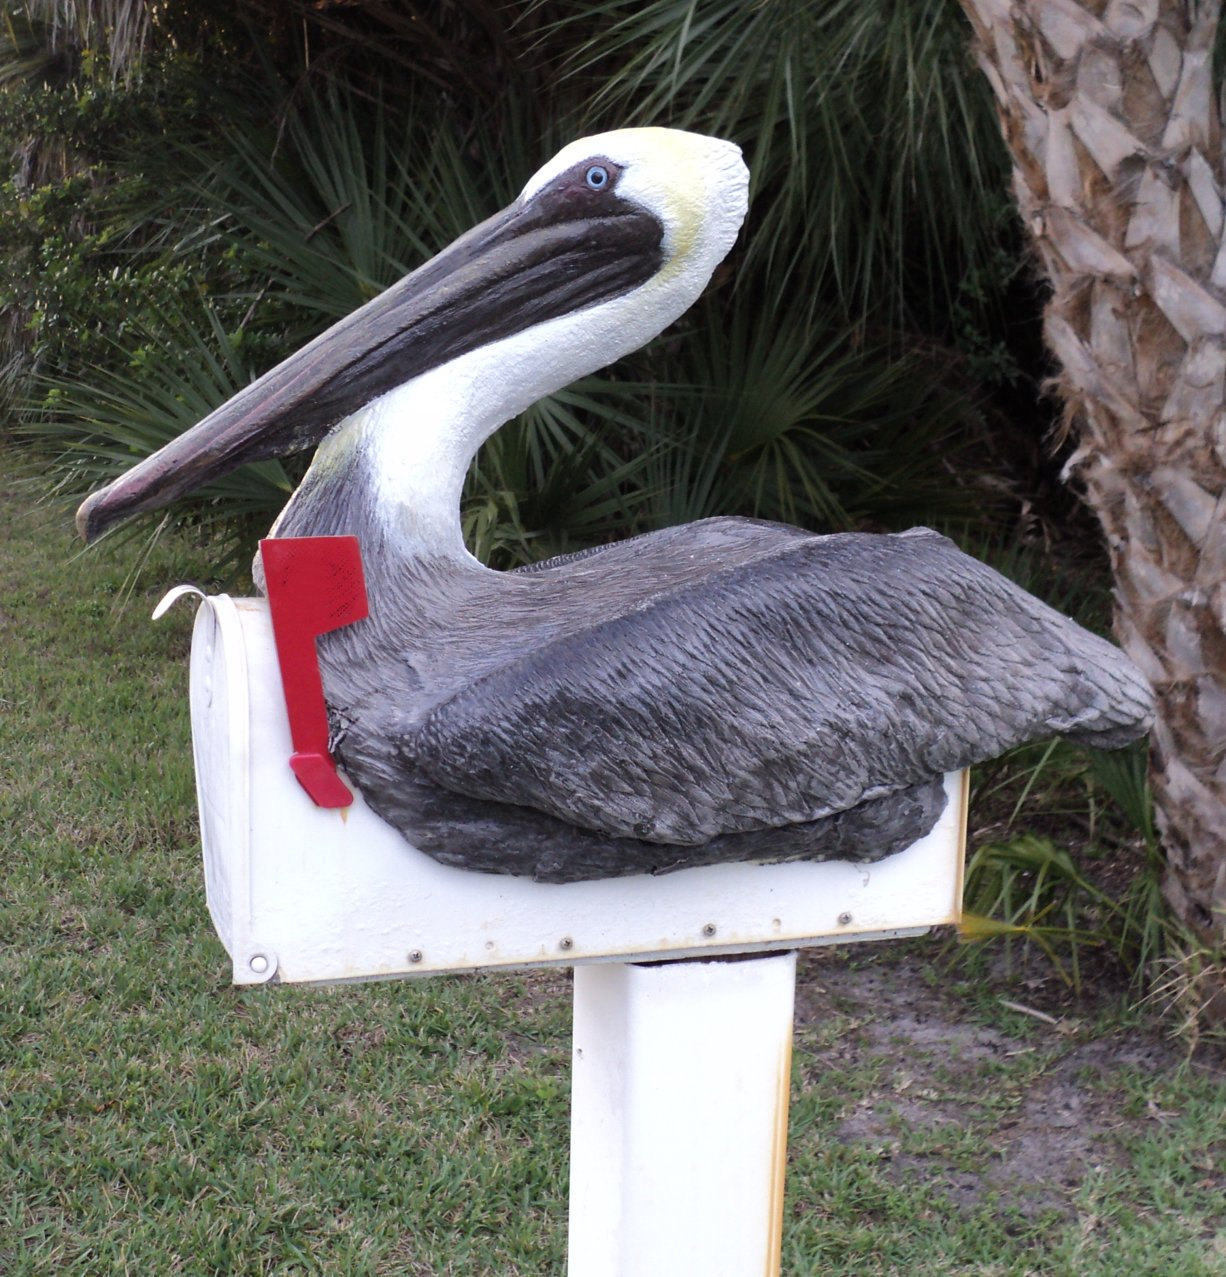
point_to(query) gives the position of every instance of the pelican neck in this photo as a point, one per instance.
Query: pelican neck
(396, 467)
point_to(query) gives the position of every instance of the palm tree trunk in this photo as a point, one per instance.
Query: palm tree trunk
(1109, 112)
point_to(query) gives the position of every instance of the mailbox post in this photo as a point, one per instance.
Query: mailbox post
(679, 1116)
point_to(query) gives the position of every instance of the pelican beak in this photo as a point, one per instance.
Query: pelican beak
(563, 249)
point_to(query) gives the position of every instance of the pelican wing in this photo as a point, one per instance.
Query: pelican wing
(826, 672)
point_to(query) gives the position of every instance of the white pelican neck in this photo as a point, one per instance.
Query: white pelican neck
(419, 439)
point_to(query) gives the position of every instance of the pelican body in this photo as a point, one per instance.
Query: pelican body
(724, 690)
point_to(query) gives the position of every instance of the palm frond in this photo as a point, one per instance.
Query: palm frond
(876, 159)
(94, 429)
(342, 199)
(548, 482)
(121, 27)
(796, 421)
(28, 55)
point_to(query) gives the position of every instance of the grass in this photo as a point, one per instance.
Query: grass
(155, 1120)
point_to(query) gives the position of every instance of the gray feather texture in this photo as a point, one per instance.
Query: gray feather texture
(729, 689)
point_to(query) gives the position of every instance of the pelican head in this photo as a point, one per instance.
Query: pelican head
(605, 247)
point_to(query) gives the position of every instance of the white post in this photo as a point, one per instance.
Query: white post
(679, 1112)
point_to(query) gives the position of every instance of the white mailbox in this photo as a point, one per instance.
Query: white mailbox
(680, 1070)
(300, 893)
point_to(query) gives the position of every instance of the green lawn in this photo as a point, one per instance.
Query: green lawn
(154, 1120)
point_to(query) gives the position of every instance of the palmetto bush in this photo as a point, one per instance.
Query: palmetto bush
(875, 157)
(817, 382)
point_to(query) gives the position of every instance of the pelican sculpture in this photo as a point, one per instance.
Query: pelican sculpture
(725, 690)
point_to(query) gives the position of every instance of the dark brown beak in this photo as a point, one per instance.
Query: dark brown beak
(560, 251)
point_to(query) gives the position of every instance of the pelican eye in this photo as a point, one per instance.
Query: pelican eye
(597, 177)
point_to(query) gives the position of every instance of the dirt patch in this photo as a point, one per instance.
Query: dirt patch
(1048, 1094)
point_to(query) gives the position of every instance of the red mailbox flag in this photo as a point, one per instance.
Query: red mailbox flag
(314, 584)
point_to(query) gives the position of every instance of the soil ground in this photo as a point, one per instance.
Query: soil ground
(1067, 1090)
